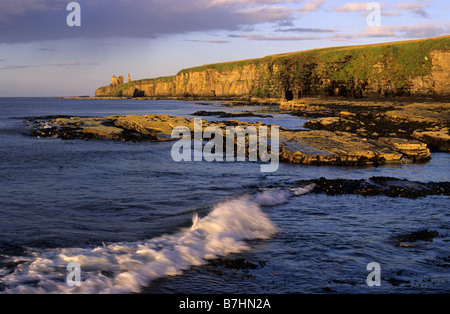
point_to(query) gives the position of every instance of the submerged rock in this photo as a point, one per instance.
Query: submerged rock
(416, 238)
(387, 186)
(236, 264)
(224, 114)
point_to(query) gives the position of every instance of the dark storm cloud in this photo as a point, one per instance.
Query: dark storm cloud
(36, 20)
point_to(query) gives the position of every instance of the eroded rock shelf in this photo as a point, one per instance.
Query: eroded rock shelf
(303, 147)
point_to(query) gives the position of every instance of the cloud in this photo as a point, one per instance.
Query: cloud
(352, 7)
(14, 9)
(423, 30)
(17, 67)
(305, 30)
(314, 5)
(265, 14)
(39, 20)
(217, 41)
(56, 64)
(414, 8)
(71, 63)
(390, 13)
(250, 2)
(387, 10)
(274, 38)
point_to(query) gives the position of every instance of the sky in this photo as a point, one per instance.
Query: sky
(42, 56)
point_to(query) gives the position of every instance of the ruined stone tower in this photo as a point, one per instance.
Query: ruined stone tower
(117, 80)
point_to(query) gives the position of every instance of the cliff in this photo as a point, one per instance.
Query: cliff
(410, 68)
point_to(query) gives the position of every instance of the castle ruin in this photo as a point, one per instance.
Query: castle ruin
(119, 80)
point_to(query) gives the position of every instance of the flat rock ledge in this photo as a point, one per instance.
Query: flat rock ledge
(425, 121)
(318, 147)
(313, 147)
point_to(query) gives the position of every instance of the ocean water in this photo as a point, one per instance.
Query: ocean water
(135, 221)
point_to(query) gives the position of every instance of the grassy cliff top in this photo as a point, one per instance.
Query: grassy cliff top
(159, 79)
(404, 58)
(406, 54)
(124, 86)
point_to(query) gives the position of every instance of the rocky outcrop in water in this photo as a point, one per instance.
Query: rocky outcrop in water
(318, 147)
(407, 125)
(387, 186)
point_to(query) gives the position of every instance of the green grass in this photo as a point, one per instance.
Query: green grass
(157, 80)
(400, 61)
(222, 67)
(408, 57)
(166, 79)
(348, 66)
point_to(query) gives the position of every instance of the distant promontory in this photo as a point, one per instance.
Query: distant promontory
(408, 68)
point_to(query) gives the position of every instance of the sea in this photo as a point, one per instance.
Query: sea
(110, 217)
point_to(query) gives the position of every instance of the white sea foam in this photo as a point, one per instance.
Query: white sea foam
(128, 267)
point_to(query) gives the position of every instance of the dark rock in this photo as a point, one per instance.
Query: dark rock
(387, 186)
(223, 114)
(411, 239)
(235, 264)
(397, 282)
(107, 273)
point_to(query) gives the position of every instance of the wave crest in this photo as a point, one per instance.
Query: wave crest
(128, 267)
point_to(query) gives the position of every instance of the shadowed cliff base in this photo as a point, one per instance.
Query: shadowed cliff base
(409, 68)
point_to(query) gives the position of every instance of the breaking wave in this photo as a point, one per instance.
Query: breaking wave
(128, 267)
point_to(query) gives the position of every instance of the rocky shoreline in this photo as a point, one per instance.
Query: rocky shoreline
(412, 121)
(340, 132)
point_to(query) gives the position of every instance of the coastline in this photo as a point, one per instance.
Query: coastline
(340, 132)
(352, 133)
(223, 154)
(364, 209)
(411, 68)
